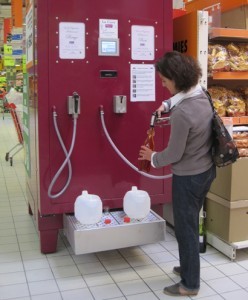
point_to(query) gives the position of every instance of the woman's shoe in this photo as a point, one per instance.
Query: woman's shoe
(178, 290)
(177, 271)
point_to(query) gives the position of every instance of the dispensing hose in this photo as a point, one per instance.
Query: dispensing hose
(122, 156)
(67, 155)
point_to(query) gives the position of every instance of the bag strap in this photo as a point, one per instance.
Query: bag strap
(209, 98)
(216, 116)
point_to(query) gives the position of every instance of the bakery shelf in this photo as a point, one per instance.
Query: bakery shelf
(243, 120)
(238, 120)
(230, 75)
(228, 34)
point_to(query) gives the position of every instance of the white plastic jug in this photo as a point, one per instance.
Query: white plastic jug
(88, 208)
(136, 203)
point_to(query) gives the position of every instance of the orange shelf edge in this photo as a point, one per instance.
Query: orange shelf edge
(230, 75)
(237, 120)
(228, 33)
(225, 5)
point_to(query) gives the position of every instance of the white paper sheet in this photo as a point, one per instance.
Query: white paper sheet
(71, 40)
(142, 86)
(142, 42)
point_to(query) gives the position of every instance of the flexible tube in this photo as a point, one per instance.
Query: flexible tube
(122, 156)
(66, 161)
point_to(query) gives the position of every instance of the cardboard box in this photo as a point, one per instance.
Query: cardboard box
(227, 220)
(235, 18)
(231, 182)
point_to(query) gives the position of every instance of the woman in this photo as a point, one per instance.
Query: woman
(189, 153)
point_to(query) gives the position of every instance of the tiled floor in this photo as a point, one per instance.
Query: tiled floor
(137, 273)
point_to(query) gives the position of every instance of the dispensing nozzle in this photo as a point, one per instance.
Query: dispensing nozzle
(74, 105)
(161, 121)
(153, 119)
(76, 102)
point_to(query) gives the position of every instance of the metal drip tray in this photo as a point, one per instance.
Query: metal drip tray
(117, 234)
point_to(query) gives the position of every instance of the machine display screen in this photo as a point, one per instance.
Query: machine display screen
(108, 47)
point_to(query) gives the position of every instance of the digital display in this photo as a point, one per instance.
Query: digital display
(108, 47)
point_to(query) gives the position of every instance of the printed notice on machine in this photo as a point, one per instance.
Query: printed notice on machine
(71, 40)
(142, 87)
(142, 42)
(108, 28)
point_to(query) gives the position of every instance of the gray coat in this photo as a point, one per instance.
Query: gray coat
(189, 146)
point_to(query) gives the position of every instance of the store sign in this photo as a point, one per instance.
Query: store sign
(16, 13)
(7, 50)
(9, 61)
(17, 53)
(185, 41)
(7, 29)
(16, 38)
(181, 46)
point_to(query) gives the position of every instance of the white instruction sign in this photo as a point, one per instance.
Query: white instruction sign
(108, 28)
(142, 42)
(71, 40)
(142, 82)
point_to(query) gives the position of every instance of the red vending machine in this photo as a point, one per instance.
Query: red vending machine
(91, 81)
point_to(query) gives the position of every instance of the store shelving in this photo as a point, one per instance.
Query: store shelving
(227, 177)
(230, 76)
(225, 5)
(228, 34)
(238, 120)
(229, 249)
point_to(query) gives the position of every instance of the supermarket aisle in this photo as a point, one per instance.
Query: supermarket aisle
(137, 273)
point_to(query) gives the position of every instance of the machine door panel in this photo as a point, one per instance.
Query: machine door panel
(97, 79)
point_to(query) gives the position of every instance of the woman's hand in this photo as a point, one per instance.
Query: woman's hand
(160, 110)
(145, 153)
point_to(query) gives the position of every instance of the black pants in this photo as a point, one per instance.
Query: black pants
(188, 193)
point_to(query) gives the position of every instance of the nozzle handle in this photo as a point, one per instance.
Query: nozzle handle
(153, 119)
(76, 101)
